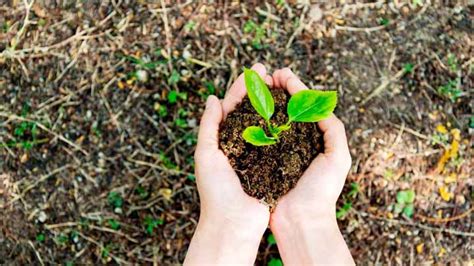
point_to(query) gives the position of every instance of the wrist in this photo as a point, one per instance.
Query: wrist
(222, 240)
(309, 236)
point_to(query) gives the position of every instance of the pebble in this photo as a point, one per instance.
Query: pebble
(142, 75)
(42, 217)
(118, 210)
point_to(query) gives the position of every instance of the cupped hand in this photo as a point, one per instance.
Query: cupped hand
(304, 221)
(226, 210)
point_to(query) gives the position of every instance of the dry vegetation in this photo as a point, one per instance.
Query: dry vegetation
(99, 106)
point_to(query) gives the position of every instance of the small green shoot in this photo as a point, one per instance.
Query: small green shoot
(384, 21)
(258, 31)
(452, 62)
(173, 96)
(280, 2)
(191, 177)
(174, 78)
(451, 90)
(114, 224)
(190, 26)
(304, 106)
(40, 237)
(151, 223)
(408, 68)
(166, 161)
(405, 199)
(275, 262)
(355, 188)
(271, 239)
(115, 199)
(61, 239)
(341, 212)
(141, 191)
(471, 122)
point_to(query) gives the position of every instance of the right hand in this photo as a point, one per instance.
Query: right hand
(308, 211)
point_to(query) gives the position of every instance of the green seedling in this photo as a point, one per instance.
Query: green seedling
(280, 2)
(144, 63)
(40, 237)
(115, 199)
(405, 199)
(408, 67)
(271, 239)
(190, 26)
(141, 191)
(452, 62)
(341, 212)
(174, 77)
(275, 262)
(114, 224)
(471, 122)
(258, 33)
(384, 21)
(151, 223)
(304, 106)
(452, 90)
(61, 239)
(173, 96)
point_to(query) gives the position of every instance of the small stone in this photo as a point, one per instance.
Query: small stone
(186, 54)
(42, 217)
(142, 75)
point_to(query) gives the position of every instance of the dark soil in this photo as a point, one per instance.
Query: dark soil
(269, 172)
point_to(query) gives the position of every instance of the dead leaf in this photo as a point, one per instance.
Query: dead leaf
(445, 194)
(419, 248)
(441, 129)
(166, 193)
(39, 11)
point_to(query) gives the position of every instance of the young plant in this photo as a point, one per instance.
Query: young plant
(304, 106)
(405, 199)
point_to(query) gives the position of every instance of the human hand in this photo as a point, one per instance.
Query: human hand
(231, 223)
(304, 221)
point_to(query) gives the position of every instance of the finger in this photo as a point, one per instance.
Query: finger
(209, 127)
(286, 79)
(335, 140)
(237, 91)
(269, 81)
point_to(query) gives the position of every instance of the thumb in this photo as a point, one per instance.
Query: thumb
(209, 126)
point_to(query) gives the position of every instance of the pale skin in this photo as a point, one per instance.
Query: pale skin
(232, 223)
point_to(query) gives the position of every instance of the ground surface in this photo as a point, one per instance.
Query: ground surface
(99, 106)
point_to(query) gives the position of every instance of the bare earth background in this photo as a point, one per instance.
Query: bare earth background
(99, 106)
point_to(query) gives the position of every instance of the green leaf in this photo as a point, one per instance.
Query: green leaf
(259, 94)
(275, 262)
(398, 208)
(344, 210)
(115, 199)
(256, 136)
(311, 105)
(271, 239)
(408, 68)
(40, 237)
(114, 224)
(405, 196)
(408, 210)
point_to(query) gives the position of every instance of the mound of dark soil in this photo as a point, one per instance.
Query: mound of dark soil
(269, 172)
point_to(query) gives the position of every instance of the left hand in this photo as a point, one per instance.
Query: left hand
(231, 223)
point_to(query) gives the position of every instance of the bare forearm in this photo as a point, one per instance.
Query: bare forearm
(223, 243)
(311, 242)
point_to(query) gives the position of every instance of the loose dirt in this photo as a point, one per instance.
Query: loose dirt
(269, 172)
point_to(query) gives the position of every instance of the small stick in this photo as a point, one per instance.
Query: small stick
(38, 181)
(36, 252)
